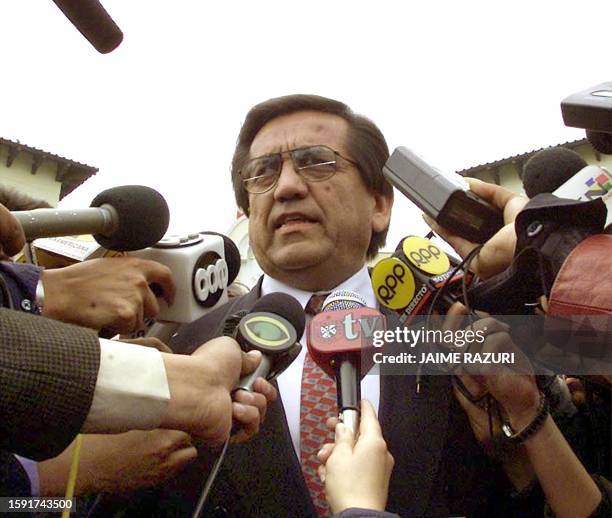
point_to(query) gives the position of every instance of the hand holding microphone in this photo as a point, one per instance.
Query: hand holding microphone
(497, 253)
(356, 469)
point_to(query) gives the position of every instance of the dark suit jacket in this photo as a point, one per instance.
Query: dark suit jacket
(48, 373)
(439, 469)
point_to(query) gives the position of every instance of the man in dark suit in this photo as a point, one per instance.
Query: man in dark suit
(307, 172)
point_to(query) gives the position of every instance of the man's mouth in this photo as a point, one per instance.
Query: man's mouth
(290, 220)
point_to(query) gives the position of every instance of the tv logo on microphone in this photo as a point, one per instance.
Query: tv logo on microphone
(345, 329)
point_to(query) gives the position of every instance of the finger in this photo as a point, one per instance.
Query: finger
(344, 439)
(331, 423)
(252, 399)
(468, 407)
(461, 245)
(178, 459)
(454, 317)
(321, 471)
(157, 273)
(368, 422)
(247, 418)
(266, 388)
(498, 196)
(325, 452)
(150, 306)
(250, 361)
(12, 238)
(177, 438)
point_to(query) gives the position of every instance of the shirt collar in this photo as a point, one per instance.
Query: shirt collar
(359, 283)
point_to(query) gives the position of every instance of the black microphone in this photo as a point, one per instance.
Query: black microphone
(550, 168)
(93, 22)
(126, 218)
(274, 327)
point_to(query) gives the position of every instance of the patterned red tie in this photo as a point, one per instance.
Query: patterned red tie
(317, 403)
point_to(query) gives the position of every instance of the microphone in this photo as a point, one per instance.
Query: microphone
(410, 280)
(550, 168)
(93, 22)
(338, 341)
(203, 264)
(123, 218)
(274, 326)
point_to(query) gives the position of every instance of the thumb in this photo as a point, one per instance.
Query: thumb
(250, 361)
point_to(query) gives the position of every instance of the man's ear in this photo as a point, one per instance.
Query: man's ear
(381, 214)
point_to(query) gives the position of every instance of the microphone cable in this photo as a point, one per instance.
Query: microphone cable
(210, 480)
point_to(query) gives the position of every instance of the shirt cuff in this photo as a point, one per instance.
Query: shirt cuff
(131, 391)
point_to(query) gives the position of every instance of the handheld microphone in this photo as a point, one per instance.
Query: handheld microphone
(550, 168)
(448, 200)
(93, 22)
(203, 265)
(274, 327)
(339, 340)
(123, 218)
(410, 280)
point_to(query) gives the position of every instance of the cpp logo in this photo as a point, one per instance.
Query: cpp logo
(393, 283)
(209, 280)
(425, 255)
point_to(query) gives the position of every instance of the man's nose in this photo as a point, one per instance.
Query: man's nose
(290, 184)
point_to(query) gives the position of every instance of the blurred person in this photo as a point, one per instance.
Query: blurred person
(13, 199)
(560, 232)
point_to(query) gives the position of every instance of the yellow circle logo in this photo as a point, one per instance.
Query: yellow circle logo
(393, 283)
(425, 255)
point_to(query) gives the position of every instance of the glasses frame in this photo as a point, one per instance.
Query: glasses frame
(282, 155)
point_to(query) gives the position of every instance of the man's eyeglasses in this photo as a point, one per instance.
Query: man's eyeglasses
(313, 163)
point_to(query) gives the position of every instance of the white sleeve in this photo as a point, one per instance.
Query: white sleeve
(131, 390)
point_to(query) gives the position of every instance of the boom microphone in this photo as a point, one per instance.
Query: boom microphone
(130, 217)
(93, 22)
(338, 340)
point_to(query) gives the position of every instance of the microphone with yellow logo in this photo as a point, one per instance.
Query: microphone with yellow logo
(418, 274)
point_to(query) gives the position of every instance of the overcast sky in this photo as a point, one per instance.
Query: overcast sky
(462, 83)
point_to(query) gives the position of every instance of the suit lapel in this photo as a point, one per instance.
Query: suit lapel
(415, 428)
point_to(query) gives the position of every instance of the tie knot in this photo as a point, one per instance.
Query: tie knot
(315, 304)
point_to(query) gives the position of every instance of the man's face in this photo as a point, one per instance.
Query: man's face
(312, 235)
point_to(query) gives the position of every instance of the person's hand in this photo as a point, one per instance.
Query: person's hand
(119, 463)
(511, 385)
(110, 293)
(200, 388)
(12, 238)
(497, 253)
(356, 473)
(249, 408)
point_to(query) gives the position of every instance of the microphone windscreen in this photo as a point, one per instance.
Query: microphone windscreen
(550, 168)
(232, 255)
(143, 217)
(285, 306)
(343, 299)
(93, 22)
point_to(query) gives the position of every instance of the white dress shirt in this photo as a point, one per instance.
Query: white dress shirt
(290, 381)
(131, 390)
